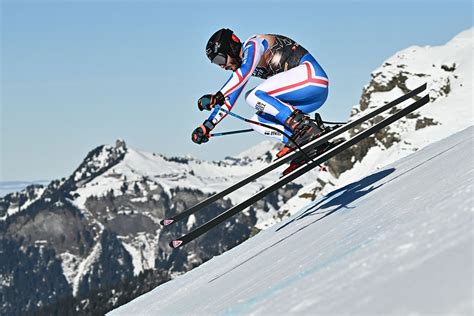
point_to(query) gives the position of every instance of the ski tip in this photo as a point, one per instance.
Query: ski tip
(166, 222)
(175, 243)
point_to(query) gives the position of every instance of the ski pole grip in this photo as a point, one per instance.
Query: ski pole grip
(208, 101)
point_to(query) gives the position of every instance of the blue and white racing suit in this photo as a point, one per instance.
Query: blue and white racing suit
(294, 80)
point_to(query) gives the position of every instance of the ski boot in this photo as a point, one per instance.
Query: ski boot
(304, 131)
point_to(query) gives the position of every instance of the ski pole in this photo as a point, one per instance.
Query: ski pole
(334, 123)
(231, 132)
(266, 126)
(321, 168)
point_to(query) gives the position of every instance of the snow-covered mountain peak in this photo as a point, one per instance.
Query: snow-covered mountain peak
(463, 39)
(98, 161)
(173, 172)
(446, 68)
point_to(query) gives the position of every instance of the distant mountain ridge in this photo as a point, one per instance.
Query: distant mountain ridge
(101, 224)
(7, 187)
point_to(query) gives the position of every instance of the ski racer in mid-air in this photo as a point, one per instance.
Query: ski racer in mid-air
(295, 85)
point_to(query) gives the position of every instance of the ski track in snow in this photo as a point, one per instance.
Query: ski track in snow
(398, 240)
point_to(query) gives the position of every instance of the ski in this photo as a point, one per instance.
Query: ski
(295, 174)
(287, 158)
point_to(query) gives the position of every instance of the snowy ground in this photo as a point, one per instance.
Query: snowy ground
(398, 241)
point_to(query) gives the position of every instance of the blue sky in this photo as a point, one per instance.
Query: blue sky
(78, 74)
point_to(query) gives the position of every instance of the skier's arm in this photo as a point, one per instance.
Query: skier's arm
(254, 50)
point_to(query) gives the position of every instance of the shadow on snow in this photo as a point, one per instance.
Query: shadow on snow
(341, 198)
(338, 200)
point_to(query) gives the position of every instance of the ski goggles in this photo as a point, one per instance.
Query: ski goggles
(220, 59)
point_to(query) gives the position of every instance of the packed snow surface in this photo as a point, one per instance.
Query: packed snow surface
(399, 240)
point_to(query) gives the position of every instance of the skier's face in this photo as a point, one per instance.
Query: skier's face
(231, 64)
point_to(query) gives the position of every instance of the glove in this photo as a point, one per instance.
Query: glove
(201, 134)
(208, 101)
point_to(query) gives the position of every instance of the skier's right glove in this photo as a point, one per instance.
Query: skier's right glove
(201, 134)
(208, 101)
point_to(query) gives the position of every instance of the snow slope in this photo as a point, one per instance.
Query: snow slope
(399, 241)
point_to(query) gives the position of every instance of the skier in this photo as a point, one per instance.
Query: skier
(295, 85)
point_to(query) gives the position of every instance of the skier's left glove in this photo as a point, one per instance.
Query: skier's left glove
(208, 101)
(201, 134)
